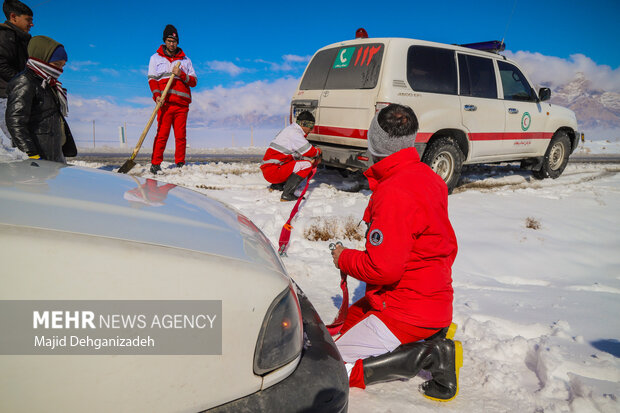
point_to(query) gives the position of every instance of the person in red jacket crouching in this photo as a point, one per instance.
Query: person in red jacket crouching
(173, 113)
(399, 327)
(290, 157)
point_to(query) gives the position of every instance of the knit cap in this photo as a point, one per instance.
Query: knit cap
(382, 144)
(171, 31)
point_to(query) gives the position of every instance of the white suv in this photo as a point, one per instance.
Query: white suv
(473, 106)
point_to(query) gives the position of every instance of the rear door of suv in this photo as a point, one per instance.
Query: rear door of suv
(348, 99)
(311, 86)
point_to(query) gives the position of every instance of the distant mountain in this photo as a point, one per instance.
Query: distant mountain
(595, 109)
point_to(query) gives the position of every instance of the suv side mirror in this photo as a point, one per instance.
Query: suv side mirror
(544, 94)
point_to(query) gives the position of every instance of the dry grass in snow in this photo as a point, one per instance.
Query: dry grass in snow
(332, 228)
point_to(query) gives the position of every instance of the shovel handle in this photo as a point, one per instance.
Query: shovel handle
(150, 122)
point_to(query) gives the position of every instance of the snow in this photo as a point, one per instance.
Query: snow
(599, 147)
(536, 279)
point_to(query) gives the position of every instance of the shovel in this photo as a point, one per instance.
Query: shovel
(129, 163)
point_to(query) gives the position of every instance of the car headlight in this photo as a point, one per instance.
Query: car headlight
(281, 336)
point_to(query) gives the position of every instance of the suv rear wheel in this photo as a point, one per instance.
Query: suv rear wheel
(446, 159)
(556, 157)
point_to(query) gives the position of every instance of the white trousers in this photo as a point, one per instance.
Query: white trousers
(368, 338)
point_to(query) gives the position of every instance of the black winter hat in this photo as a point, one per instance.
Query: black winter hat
(171, 31)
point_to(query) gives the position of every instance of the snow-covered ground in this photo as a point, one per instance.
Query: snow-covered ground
(536, 279)
(537, 308)
(603, 146)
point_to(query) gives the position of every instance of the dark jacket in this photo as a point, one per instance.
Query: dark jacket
(34, 120)
(13, 53)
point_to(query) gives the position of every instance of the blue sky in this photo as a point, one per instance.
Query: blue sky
(255, 45)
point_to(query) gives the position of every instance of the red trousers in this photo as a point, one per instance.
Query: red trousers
(276, 174)
(170, 116)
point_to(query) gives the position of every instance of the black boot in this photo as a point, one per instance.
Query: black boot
(442, 357)
(404, 362)
(276, 187)
(291, 184)
(155, 169)
(447, 360)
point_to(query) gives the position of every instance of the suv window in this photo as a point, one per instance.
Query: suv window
(318, 69)
(349, 67)
(430, 69)
(477, 77)
(514, 83)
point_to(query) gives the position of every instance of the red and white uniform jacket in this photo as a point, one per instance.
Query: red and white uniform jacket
(160, 70)
(410, 244)
(288, 146)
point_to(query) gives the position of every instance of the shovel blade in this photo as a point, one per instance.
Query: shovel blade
(126, 167)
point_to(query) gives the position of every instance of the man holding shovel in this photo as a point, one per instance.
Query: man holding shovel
(173, 112)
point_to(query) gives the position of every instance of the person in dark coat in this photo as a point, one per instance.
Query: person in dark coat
(14, 38)
(37, 104)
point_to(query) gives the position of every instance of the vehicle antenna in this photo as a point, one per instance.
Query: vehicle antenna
(514, 6)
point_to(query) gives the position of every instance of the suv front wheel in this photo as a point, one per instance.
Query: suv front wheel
(556, 157)
(446, 159)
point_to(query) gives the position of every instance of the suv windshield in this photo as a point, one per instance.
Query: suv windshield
(348, 67)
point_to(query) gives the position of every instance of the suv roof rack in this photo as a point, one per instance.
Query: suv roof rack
(492, 46)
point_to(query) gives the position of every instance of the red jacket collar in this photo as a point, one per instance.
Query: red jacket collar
(180, 54)
(390, 165)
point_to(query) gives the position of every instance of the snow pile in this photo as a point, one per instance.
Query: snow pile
(537, 279)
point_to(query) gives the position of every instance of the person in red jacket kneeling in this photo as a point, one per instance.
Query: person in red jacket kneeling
(290, 157)
(399, 327)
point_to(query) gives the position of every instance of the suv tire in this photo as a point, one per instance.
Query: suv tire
(445, 159)
(556, 157)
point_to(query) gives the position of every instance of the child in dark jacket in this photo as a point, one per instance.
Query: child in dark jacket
(37, 104)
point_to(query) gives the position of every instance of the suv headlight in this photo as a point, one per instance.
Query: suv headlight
(281, 335)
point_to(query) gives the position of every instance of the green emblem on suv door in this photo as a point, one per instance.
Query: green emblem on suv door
(343, 58)
(526, 120)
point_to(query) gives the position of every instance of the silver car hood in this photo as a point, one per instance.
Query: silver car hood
(55, 196)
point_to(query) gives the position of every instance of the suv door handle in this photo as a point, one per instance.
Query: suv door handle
(513, 111)
(470, 108)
